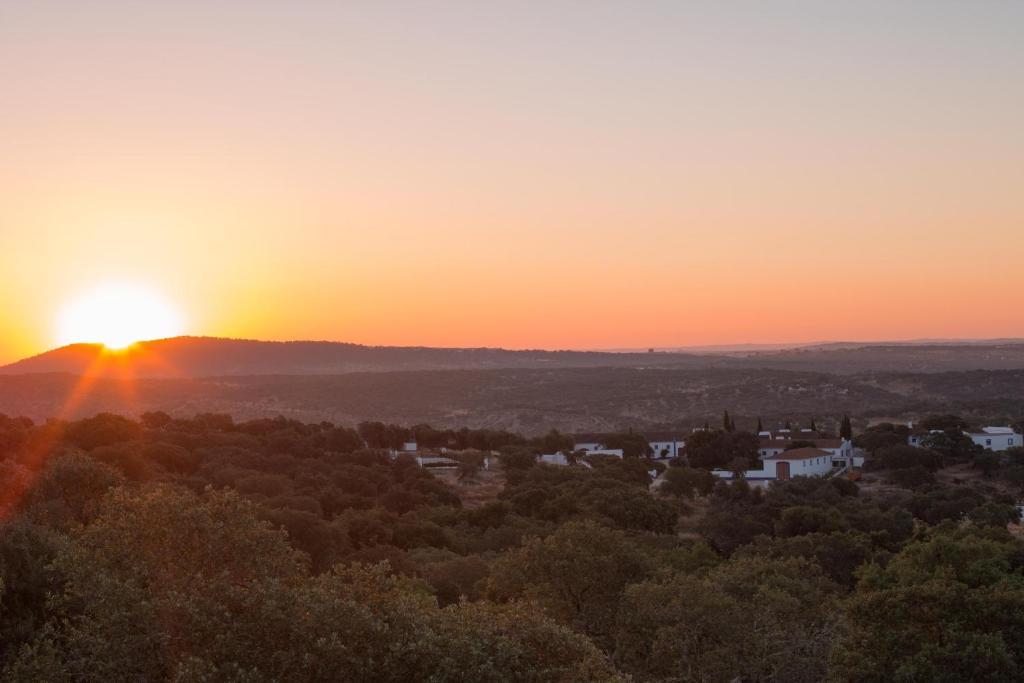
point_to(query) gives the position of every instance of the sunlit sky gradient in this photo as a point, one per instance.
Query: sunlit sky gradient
(545, 174)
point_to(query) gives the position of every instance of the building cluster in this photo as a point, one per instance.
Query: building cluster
(783, 453)
(786, 453)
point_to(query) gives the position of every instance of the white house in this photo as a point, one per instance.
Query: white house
(592, 446)
(562, 459)
(996, 438)
(840, 450)
(799, 462)
(613, 452)
(992, 438)
(553, 459)
(665, 445)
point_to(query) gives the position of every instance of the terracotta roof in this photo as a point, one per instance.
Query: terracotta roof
(800, 454)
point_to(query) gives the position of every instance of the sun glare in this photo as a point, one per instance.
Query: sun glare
(118, 316)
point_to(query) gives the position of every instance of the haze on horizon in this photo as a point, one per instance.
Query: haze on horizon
(565, 175)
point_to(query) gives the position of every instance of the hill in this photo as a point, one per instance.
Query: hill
(184, 357)
(208, 356)
(904, 357)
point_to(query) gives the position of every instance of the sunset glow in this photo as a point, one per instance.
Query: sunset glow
(117, 316)
(527, 175)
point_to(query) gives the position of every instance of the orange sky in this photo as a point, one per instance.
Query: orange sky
(565, 174)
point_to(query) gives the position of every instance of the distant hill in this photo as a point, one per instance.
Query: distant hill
(897, 357)
(182, 357)
(195, 357)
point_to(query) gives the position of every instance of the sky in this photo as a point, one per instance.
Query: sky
(521, 174)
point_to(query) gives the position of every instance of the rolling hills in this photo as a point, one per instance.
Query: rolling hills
(527, 391)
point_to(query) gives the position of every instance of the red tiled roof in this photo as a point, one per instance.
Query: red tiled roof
(800, 454)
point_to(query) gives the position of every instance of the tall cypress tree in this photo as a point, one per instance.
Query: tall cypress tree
(813, 428)
(846, 428)
(759, 427)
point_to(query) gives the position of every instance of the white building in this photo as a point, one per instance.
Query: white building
(562, 460)
(594, 447)
(841, 451)
(991, 438)
(996, 438)
(799, 462)
(665, 445)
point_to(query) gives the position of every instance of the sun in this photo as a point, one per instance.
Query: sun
(117, 316)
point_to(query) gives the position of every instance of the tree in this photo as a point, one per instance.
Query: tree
(514, 642)
(517, 458)
(577, 574)
(915, 477)
(738, 466)
(69, 491)
(103, 430)
(470, 463)
(155, 420)
(555, 442)
(716, 449)
(726, 422)
(839, 554)
(953, 445)
(633, 445)
(814, 428)
(903, 456)
(881, 436)
(948, 607)
(846, 428)
(685, 482)
(759, 427)
(945, 423)
(749, 619)
(26, 552)
(994, 514)
(373, 433)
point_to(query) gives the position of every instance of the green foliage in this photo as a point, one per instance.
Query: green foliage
(914, 477)
(903, 457)
(846, 428)
(577, 574)
(942, 504)
(26, 551)
(167, 586)
(686, 482)
(103, 430)
(209, 549)
(554, 442)
(750, 619)
(949, 607)
(633, 445)
(839, 554)
(68, 491)
(716, 449)
(884, 435)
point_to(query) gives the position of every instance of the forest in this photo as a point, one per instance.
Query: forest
(206, 549)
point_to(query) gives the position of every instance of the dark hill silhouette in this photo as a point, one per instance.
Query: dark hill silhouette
(192, 357)
(181, 357)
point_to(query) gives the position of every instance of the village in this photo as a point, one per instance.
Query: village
(783, 453)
